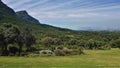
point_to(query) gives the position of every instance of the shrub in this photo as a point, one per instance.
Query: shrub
(60, 47)
(116, 43)
(76, 50)
(105, 47)
(24, 53)
(80, 50)
(66, 51)
(59, 52)
(32, 49)
(13, 51)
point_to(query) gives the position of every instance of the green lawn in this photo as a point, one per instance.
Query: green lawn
(92, 59)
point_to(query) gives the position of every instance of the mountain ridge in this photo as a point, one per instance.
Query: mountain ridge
(5, 10)
(23, 14)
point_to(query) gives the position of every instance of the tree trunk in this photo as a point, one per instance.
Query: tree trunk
(20, 50)
(2, 49)
(5, 51)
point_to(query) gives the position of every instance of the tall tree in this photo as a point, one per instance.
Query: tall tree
(20, 42)
(29, 38)
(1, 39)
(9, 34)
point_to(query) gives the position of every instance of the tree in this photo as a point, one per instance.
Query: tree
(13, 50)
(116, 43)
(73, 42)
(1, 39)
(20, 42)
(29, 39)
(48, 41)
(8, 34)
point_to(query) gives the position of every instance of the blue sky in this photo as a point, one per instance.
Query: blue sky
(72, 14)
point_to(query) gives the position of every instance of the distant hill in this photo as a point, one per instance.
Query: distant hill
(25, 16)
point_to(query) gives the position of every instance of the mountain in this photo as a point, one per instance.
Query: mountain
(5, 10)
(8, 15)
(25, 16)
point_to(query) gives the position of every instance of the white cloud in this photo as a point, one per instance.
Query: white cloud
(58, 5)
(7, 1)
(33, 5)
(38, 3)
(19, 3)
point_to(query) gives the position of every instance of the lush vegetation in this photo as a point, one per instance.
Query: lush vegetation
(10, 34)
(14, 41)
(92, 59)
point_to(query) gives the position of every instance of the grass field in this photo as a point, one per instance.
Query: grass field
(92, 59)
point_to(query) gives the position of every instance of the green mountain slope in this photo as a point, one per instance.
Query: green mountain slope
(7, 15)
